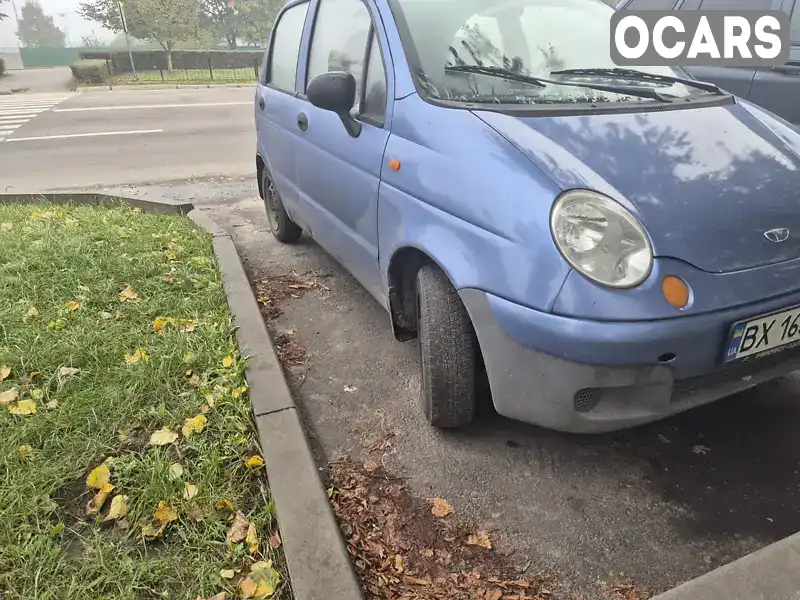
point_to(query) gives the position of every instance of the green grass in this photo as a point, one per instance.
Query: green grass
(189, 76)
(51, 256)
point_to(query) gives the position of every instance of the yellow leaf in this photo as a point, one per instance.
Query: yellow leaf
(163, 436)
(194, 425)
(175, 471)
(227, 361)
(165, 513)
(53, 404)
(188, 357)
(119, 508)
(171, 256)
(9, 396)
(5, 371)
(128, 295)
(441, 508)
(72, 305)
(23, 407)
(224, 504)
(238, 530)
(480, 539)
(139, 354)
(151, 531)
(252, 538)
(189, 491)
(25, 449)
(266, 579)
(96, 503)
(98, 477)
(227, 573)
(160, 323)
(255, 462)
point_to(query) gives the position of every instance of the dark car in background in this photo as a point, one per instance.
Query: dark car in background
(775, 88)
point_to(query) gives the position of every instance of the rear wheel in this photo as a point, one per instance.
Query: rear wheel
(283, 228)
(448, 351)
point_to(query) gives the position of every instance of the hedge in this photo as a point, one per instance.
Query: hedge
(147, 60)
(90, 71)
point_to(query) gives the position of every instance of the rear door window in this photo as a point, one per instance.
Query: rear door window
(794, 31)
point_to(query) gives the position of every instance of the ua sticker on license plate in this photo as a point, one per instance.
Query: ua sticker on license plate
(776, 332)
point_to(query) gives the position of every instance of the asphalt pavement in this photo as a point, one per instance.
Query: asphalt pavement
(657, 505)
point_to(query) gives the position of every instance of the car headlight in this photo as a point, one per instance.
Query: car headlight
(601, 239)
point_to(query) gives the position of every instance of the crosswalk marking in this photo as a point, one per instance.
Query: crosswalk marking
(15, 111)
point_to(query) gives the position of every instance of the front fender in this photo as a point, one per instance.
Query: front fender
(470, 201)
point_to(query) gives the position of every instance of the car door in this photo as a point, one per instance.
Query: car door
(339, 175)
(277, 104)
(778, 88)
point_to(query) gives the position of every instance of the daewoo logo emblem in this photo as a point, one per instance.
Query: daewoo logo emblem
(777, 235)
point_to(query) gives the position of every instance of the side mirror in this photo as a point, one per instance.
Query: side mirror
(336, 92)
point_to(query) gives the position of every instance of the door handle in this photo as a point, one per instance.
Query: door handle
(261, 103)
(791, 69)
(302, 122)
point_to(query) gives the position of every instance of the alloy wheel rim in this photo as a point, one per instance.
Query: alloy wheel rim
(271, 202)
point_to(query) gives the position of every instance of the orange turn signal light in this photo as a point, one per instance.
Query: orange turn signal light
(394, 164)
(675, 290)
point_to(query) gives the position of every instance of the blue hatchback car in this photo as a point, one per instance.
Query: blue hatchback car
(608, 246)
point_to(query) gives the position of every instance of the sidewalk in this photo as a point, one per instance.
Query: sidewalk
(56, 79)
(772, 573)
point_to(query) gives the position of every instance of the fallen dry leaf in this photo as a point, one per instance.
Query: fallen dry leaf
(165, 513)
(493, 594)
(96, 503)
(415, 580)
(224, 504)
(350, 389)
(480, 539)
(5, 371)
(189, 491)
(167, 278)
(160, 323)
(427, 552)
(163, 436)
(32, 312)
(128, 294)
(151, 531)
(266, 579)
(194, 425)
(67, 371)
(187, 325)
(254, 462)
(106, 315)
(53, 404)
(9, 396)
(220, 596)
(227, 573)
(23, 408)
(175, 471)
(370, 465)
(275, 541)
(238, 530)
(118, 509)
(700, 449)
(247, 588)
(72, 305)
(252, 538)
(398, 563)
(98, 477)
(441, 508)
(25, 449)
(194, 379)
(227, 361)
(139, 354)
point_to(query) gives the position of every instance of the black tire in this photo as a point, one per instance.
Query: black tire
(283, 228)
(448, 351)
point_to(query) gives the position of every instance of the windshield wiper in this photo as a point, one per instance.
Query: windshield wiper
(641, 92)
(635, 75)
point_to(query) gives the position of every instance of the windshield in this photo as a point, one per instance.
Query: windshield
(527, 37)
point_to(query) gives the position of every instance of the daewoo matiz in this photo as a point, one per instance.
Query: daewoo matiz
(610, 246)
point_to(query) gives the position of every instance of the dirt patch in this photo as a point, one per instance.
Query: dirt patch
(274, 290)
(289, 351)
(402, 550)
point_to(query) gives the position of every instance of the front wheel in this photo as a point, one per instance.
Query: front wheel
(283, 228)
(448, 351)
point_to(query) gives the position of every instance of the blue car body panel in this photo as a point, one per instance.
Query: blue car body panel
(475, 191)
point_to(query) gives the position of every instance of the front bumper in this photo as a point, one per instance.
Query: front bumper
(561, 393)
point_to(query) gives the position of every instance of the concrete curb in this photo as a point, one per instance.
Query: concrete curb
(316, 555)
(772, 573)
(164, 86)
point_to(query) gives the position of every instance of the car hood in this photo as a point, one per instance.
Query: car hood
(707, 183)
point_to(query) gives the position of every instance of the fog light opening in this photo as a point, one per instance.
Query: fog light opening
(667, 357)
(676, 291)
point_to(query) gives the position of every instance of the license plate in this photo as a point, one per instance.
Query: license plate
(759, 335)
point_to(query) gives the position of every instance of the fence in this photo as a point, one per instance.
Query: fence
(209, 75)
